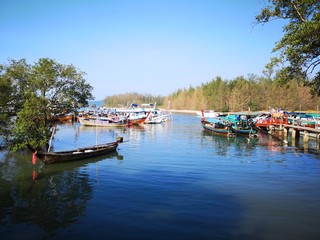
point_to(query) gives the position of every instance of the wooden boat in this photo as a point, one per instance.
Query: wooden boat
(102, 122)
(208, 114)
(240, 125)
(218, 128)
(264, 121)
(154, 120)
(136, 120)
(65, 118)
(244, 126)
(137, 116)
(157, 118)
(302, 119)
(76, 154)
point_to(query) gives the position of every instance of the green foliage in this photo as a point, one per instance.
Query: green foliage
(32, 125)
(63, 86)
(126, 99)
(299, 48)
(32, 95)
(241, 94)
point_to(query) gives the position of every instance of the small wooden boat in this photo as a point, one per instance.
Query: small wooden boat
(265, 120)
(245, 127)
(102, 122)
(64, 118)
(76, 154)
(218, 128)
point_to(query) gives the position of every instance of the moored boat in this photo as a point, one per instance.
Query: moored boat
(265, 120)
(302, 119)
(103, 122)
(76, 154)
(154, 120)
(65, 118)
(208, 114)
(244, 126)
(218, 126)
(231, 125)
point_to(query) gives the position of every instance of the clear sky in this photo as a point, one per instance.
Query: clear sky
(144, 46)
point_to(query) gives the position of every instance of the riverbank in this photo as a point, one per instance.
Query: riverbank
(240, 112)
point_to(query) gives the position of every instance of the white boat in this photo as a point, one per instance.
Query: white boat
(157, 119)
(146, 114)
(102, 122)
(208, 114)
(135, 116)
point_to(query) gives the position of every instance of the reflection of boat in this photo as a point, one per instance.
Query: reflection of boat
(76, 154)
(53, 169)
(223, 145)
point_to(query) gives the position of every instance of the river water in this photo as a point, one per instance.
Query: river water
(170, 181)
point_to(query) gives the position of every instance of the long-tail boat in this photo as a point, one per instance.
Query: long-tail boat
(76, 154)
(218, 126)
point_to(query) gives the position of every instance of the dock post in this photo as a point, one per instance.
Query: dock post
(285, 133)
(281, 127)
(271, 129)
(306, 136)
(293, 134)
(293, 142)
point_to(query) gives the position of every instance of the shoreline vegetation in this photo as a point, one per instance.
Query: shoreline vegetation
(235, 112)
(235, 95)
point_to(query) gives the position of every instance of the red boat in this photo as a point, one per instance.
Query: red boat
(263, 121)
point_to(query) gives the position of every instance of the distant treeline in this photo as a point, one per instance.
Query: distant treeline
(254, 93)
(126, 99)
(240, 94)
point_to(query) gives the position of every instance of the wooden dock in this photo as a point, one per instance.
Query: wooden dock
(296, 131)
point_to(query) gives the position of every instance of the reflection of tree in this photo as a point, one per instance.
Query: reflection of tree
(55, 200)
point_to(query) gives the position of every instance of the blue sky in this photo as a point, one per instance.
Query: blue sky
(144, 46)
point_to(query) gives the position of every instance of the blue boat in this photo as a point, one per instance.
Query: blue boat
(240, 125)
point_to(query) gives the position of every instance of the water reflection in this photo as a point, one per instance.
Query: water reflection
(224, 145)
(275, 143)
(311, 146)
(54, 200)
(176, 182)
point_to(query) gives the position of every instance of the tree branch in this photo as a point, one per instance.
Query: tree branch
(296, 10)
(313, 65)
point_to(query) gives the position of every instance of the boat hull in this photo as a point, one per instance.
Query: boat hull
(77, 154)
(225, 131)
(101, 123)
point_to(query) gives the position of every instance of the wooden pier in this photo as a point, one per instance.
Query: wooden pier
(296, 131)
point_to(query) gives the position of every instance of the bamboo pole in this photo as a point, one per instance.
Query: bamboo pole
(50, 142)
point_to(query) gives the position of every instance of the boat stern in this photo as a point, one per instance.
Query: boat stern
(120, 139)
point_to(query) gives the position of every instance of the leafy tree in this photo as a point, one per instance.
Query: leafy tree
(13, 82)
(300, 46)
(43, 90)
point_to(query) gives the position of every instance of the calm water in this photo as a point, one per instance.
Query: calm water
(169, 181)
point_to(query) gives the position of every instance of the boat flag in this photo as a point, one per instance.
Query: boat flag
(34, 158)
